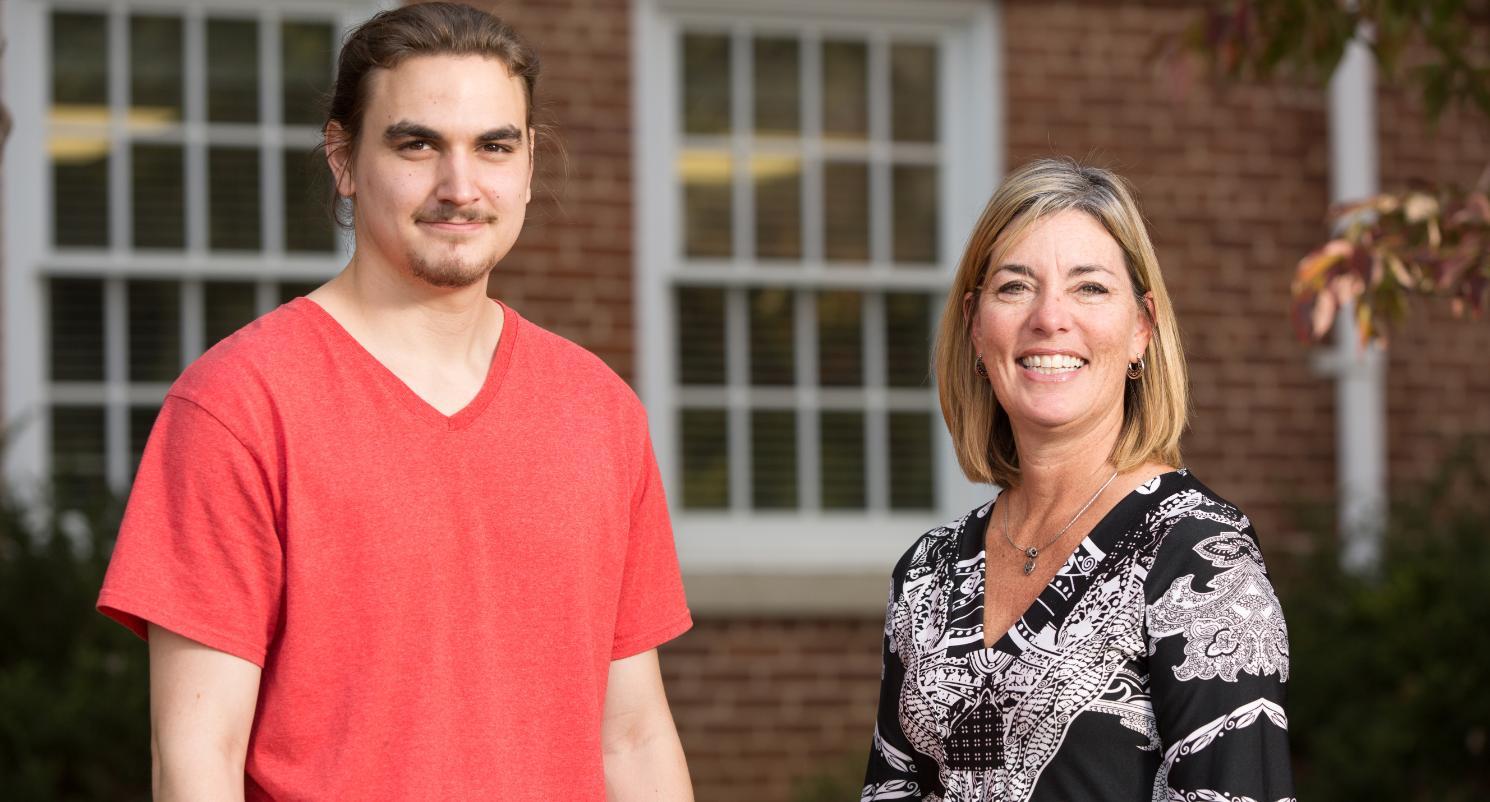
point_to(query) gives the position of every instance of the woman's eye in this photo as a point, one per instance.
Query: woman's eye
(1013, 288)
(1092, 289)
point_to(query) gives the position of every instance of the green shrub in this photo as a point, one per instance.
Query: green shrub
(73, 684)
(1390, 692)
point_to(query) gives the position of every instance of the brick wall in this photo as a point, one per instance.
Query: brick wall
(1438, 365)
(768, 707)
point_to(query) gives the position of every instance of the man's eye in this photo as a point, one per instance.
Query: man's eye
(497, 147)
(414, 145)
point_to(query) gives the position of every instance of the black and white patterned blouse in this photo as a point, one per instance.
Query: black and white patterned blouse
(1151, 667)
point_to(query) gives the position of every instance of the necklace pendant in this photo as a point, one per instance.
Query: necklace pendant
(1029, 566)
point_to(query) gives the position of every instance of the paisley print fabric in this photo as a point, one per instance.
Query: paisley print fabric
(1152, 667)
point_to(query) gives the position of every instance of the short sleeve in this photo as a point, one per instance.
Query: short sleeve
(1218, 662)
(198, 552)
(652, 608)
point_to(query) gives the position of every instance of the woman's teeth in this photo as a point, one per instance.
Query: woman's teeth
(1052, 363)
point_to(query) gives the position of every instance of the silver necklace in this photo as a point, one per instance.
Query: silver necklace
(1032, 553)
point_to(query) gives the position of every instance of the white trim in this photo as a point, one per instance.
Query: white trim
(741, 539)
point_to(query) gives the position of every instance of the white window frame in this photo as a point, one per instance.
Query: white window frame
(32, 259)
(741, 541)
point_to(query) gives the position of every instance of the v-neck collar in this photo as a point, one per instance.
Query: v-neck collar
(1075, 577)
(415, 403)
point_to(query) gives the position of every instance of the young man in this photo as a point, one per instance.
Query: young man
(392, 541)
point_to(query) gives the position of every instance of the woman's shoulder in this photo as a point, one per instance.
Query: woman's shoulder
(1186, 508)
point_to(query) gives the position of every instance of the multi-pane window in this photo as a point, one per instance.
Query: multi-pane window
(186, 198)
(807, 278)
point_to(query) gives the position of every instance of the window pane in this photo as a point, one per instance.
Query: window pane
(80, 58)
(706, 84)
(228, 307)
(141, 419)
(777, 87)
(155, 73)
(308, 225)
(701, 335)
(78, 456)
(232, 71)
(840, 341)
(907, 340)
(159, 196)
(841, 440)
(772, 360)
(845, 90)
(773, 455)
(80, 191)
(778, 207)
(914, 195)
(154, 330)
(76, 310)
(233, 203)
(705, 459)
(290, 290)
(708, 205)
(913, 93)
(305, 67)
(846, 211)
(910, 461)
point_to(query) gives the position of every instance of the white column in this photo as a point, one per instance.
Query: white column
(1360, 389)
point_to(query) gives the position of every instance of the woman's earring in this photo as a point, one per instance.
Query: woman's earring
(1135, 368)
(979, 368)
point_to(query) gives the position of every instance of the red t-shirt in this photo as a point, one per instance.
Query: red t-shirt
(435, 600)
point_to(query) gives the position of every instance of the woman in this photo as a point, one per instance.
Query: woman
(1104, 629)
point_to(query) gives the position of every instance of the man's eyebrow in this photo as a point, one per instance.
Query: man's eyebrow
(403, 129)
(507, 133)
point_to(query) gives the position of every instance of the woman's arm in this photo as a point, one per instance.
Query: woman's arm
(1218, 664)
(201, 711)
(892, 771)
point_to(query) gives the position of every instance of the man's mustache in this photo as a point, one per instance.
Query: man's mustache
(449, 214)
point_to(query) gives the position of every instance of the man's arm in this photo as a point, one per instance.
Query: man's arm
(643, 757)
(201, 710)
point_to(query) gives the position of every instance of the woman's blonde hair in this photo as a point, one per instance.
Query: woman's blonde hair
(1155, 406)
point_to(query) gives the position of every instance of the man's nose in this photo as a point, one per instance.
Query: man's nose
(457, 184)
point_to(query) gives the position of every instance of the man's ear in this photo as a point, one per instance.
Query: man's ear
(339, 159)
(532, 159)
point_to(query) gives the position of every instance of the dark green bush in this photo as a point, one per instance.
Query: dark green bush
(74, 712)
(1390, 692)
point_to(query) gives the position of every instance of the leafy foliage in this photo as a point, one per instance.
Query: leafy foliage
(1307, 38)
(73, 685)
(1421, 242)
(1428, 241)
(1390, 692)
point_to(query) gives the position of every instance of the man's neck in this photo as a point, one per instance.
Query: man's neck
(438, 341)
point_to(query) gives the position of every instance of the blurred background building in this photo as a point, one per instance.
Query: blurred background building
(750, 209)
